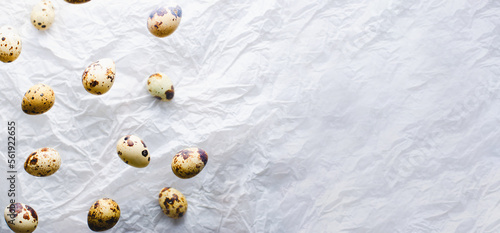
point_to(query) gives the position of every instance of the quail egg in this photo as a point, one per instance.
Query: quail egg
(10, 44)
(133, 151)
(38, 99)
(103, 215)
(189, 162)
(161, 87)
(172, 202)
(42, 15)
(99, 76)
(77, 1)
(43, 162)
(21, 218)
(164, 20)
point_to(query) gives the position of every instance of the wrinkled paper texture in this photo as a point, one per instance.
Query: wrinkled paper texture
(318, 116)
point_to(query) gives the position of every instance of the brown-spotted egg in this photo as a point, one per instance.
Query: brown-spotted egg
(160, 86)
(103, 215)
(43, 162)
(99, 76)
(189, 162)
(172, 202)
(21, 218)
(10, 44)
(42, 15)
(38, 99)
(164, 20)
(133, 151)
(77, 1)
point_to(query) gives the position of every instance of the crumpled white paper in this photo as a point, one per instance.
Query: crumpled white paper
(318, 116)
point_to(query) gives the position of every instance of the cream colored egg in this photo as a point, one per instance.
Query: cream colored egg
(161, 87)
(43, 162)
(38, 99)
(21, 218)
(42, 15)
(99, 76)
(172, 202)
(10, 44)
(77, 1)
(189, 162)
(133, 151)
(164, 20)
(103, 215)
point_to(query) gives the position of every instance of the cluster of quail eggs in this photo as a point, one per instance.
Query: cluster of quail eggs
(97, 79)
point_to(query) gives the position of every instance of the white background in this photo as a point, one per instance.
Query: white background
(318, 116)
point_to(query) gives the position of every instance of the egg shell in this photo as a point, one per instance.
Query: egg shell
(77, 1)
(164, 20)
(10, 44)
(43, 162)
(103, 215)
(42, 15)
(189, 162)
(21, 218)
(99, 76)
(133, 151)
(161, 87)
(172, 202)
(38, 99)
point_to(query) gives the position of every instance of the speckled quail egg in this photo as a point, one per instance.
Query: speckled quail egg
(21, 218)
(38, 99)
(172, 202)
(189, 162)
(43, 162)
(164, 20)
(77, 1)
(133, 151)
(161, 87)
(99, 76)
(10, 44)
(103, 215)
(42, 15)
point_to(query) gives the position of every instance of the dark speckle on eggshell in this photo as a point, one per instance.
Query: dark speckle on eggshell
(94, 83)
(170, 93)
(33, 161)
(184, 154)
(176, 11)
(32, 211)
(203, 156)
(161, 11)
(15, 209)
(130, 143)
